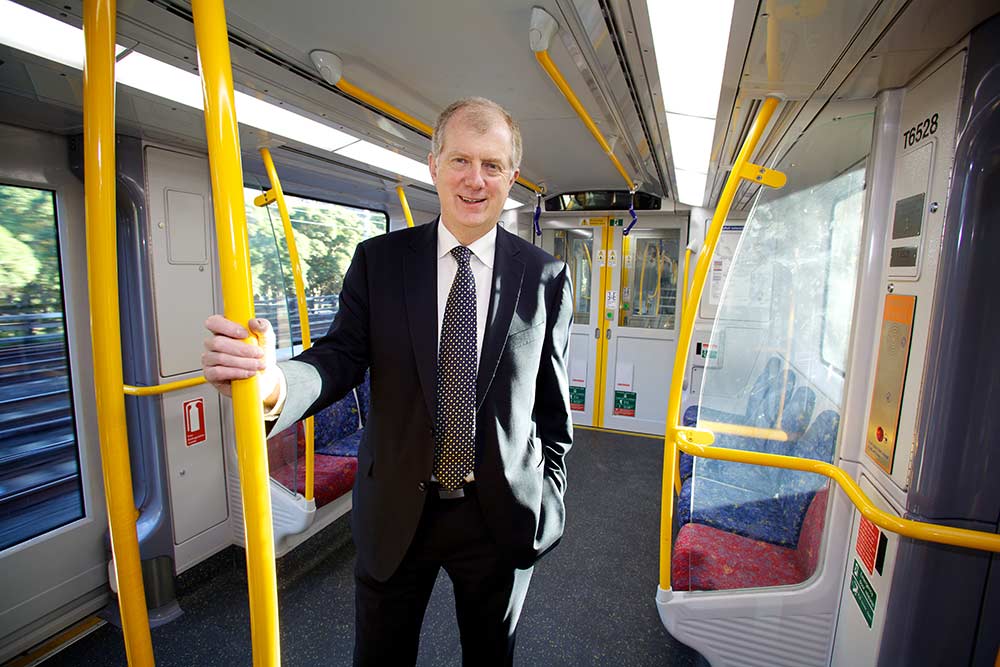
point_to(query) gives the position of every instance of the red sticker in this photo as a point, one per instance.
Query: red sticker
(867, 543)
(194, 421)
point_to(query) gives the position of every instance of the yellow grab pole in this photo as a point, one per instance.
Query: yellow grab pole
(300, 300)
(960, 537)
(740, 170)
(105, 326)
(381, 105)
(163, 388)
(550, 67)
(234, 260)
(405, 204)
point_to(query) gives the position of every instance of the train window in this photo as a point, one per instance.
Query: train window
(781, 331)
(325, 236)
(649, 279)
(40, 485)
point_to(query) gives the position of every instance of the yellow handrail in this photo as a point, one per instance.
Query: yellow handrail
(405, 204)
(234, 260)
(381, 105)
(155, 390)
(961, 537)
(550, 67)
(741, 169)
(300, 300)
(105, 326)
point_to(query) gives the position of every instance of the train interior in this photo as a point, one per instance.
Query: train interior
(845, 317)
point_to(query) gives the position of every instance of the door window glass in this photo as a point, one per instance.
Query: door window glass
(649, 275)
(40, 486)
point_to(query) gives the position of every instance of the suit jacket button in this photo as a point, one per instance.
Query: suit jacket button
(422, 486)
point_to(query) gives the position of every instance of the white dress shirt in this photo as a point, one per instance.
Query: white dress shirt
(481, 262)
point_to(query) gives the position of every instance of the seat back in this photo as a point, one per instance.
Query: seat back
(811, 537)
(338, 420)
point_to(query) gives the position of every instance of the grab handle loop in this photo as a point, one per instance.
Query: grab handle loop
(631, 211)
(538, 212)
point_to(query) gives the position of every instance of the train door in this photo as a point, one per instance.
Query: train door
(580, 243)
(53, 564)
(641, 318)
(625, 317)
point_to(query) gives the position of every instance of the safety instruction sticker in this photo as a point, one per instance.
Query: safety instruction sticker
(863, 593)
(867, 544)
(625, 403)
(194, 421)
(577, 398)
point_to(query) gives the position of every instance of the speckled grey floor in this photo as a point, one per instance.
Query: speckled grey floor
(590, 602)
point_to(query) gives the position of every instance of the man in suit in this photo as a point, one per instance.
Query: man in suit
(465, 328)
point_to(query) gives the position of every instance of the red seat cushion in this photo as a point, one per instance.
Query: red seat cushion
(709, 559)
(333, 477)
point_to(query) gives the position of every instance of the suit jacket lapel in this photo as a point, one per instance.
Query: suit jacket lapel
(420, 285)
(508, 272)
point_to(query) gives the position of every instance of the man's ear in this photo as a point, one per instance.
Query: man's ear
(432, 165)
(513, 179)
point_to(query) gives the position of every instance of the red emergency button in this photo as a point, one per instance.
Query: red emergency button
(879, 434)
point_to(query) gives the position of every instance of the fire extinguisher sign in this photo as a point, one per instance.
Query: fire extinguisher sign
(194, 421)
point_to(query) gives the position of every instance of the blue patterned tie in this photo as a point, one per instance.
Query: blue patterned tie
(455, 415)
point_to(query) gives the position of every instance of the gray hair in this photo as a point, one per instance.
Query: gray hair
(480, 113)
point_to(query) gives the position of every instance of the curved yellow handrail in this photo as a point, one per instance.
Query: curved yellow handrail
(105, 326)
(405, 204)
(741, 169)
(381, 105)
(961, 537)
(234, 260)
(550, 67)
(300, 302)
(132, 390)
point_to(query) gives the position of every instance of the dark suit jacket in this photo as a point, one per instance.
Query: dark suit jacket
(388, 321)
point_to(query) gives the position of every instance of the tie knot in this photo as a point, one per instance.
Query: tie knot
(461, 255)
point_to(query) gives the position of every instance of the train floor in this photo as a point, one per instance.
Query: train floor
(591, 600)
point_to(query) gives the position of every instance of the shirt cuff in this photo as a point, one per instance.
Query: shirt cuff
(275, 412)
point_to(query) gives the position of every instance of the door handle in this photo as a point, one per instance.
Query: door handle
(597, 333)
(608, 334)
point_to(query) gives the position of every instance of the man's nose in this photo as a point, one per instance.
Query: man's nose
(474, 176)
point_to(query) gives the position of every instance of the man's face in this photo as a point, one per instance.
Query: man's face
(473, 176)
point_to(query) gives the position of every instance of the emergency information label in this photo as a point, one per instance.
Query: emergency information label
(863, 593)
(194, 421)
(577, 398)
(867, 545)
(625, 403)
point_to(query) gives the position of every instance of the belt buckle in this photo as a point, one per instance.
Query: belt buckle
(445, 494)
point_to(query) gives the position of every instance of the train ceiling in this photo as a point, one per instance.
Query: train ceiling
(418, 56)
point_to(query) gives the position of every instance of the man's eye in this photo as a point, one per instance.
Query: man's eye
(493, 168)
(461, 161)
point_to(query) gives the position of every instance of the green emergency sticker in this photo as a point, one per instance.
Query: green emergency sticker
(625, 403)
(577, 398)
(863, 593)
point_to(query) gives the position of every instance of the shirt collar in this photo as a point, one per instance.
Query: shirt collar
(484, 247)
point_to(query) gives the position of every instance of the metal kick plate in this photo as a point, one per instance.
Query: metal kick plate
(890, 375)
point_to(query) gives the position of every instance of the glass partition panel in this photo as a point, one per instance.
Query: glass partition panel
(40, 487)
(776, 384)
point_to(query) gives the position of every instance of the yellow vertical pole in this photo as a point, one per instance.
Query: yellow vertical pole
(738, 172)
(300, 300)
(105, 327)
(405, 204)
(234, 260)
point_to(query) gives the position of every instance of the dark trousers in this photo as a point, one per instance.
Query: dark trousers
(489, 591)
